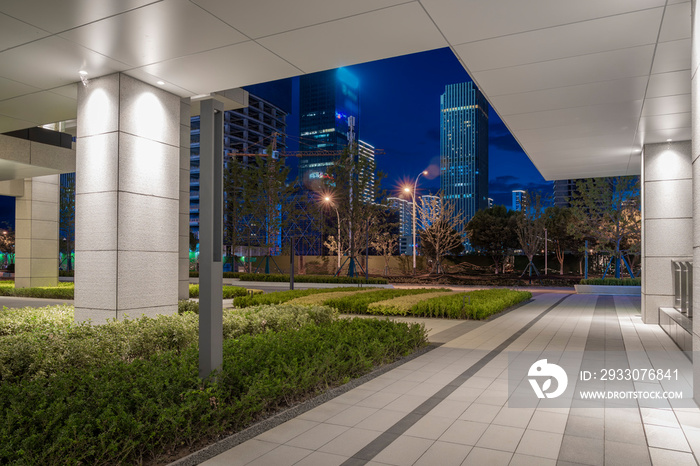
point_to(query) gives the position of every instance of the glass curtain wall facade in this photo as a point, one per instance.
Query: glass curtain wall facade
(464, 140)
(329, 113)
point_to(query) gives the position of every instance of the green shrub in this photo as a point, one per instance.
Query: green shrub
(126, 412)
(279, 297)
(320, 298)
(56, 345)
(613, 281)
(357, 303)
(228, 291)
(272, 277)
(66, 273)
(186, 305)
(402, 305)
(478, 304)
(64, 290)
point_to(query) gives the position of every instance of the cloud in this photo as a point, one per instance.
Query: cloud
(507, 183)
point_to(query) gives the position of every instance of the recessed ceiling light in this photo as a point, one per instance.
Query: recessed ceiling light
(82, 73)
(160, 83)
(669, 140)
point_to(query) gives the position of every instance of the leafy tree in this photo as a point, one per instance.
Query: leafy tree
(557, 220)
(441, 229)
(7, 241)
(607, 210)
(492, 231)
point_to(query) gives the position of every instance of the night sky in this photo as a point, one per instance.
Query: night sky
(400, 113)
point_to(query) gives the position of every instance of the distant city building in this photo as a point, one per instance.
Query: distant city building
(366, 152)
(518, 200)
(329, 110)
(404, 209)
(246, 130)
(563, 191)
(490, 202)
(464, 142)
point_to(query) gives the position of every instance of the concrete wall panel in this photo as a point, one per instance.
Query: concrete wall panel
(147, 223)
(149, 112)
(98, 106)
(99, 210)
(148, 167)
(97, 163)
(96, 280)
(666, 161)
(147, 279)
(669, 199)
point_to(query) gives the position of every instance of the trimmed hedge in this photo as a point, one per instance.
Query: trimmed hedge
(320, 298)
(612, 281)
(228, 292)
(274, 277)
(478, 304)
(279, 297)
(64, 290)
(358, 303)
(403, 304)
(126, 411)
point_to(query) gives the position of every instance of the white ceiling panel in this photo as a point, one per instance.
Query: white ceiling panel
(661, 122)
(673, 83)
(156, 32)
(225, 68)
(57, 16)
(675, 134)
(10, 88)
(576, 115)
(262, 18)
(603, 66)
(53, 107)
(141, 75)
(14, 32)
(29, 63)
(385, 33)
(12, 124)
(601, 35)
(672, 56)
(667, 105)
(676, 23)
(620, 90)
(533, 137)
(69, 90)
(470, 21)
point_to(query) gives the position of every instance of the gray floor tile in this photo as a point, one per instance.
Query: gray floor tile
(502, 438)
(540, 444)
(464, 432)
(623, 454)
(666, 437)
(381, 421)
(582, 450)
(242, 454)
(378, 400)
(484, 456)
(444, 454)
(524, 460)
(581, 426)
(287, 431)
(350, 442)
(548, 422)
(319, 458)
(315, 438)
(430, 427)
(352, 416)
(404, 450)
(281, 456)
(661, 457)
(478, 412)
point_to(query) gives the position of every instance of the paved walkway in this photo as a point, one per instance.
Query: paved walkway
(454, 405)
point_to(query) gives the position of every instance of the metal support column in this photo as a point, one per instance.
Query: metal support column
(211, 150)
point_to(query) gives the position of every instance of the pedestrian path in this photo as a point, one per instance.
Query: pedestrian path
(454, 404)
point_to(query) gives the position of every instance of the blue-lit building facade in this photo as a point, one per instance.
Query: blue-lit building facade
(464, 142)
(329, 118)
(246, 130)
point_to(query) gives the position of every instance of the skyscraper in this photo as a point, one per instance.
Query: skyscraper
(464, 140)
(404, 209)
(366, 152)
(518, 200)
(329, 110)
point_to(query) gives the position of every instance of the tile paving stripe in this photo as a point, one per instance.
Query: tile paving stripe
(367, 453)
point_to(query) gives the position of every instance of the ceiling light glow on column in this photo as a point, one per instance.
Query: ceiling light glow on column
(83, 77)
(161, 83)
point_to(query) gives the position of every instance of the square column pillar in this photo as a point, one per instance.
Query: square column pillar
(127, 200)
(184, 247)
(667, 221)
(695, 152)
(36, 233)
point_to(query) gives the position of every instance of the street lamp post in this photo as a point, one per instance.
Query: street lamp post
(328, 200)
(413, 198)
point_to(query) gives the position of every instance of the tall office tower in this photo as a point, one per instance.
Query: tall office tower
(247, 130)
(518, 200)
(464, 148)
(329, 111)
(404, 209)
(366, 152)
(563, 190)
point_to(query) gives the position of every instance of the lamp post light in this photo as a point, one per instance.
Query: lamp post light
(413, 198)
(329, 201)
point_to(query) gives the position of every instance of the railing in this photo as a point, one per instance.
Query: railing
(683, 287)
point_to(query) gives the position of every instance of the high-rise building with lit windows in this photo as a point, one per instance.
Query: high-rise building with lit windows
(464, 142)
(519, 203)
(329, 111)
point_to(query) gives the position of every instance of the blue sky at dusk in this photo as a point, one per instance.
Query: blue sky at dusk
(400, 113)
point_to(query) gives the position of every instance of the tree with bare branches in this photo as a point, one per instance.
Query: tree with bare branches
(530, 224)
(441, 229)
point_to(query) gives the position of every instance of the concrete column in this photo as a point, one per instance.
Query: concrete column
(127, 200)
(695, 128)
(36, 233)
(667, 216)
(184, 247)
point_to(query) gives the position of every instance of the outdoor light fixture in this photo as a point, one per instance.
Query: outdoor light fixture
(328, 200)
(669, 140)
(413, 197)
(161, 83)
(83, 77)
